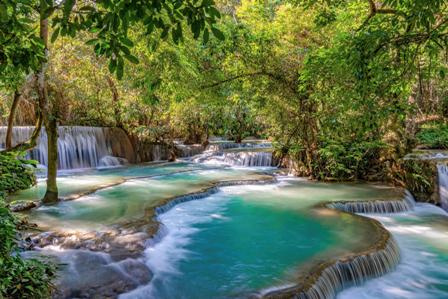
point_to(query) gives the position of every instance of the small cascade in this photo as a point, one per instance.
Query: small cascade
(220, 146)
(442, 172)
(78, 147)
(344, 273)
(188, 150)
(376, 206)
(207, 192)
(111, 161)
(249, 154)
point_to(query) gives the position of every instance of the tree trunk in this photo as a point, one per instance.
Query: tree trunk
(32, 142)
(11, 117)
(50, 120)
(52, 135)
(25, 91)
(115, 101)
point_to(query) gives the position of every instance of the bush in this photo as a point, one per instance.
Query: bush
(434, 136)
(348, 160)
(16, 173)
(19, 278)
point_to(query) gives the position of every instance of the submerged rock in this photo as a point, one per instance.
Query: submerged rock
(86, 274)
(19, 206)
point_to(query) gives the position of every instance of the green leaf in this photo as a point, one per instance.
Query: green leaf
(112, 65)
(206, 36)
(120, 68)
(132, 58)
(217, 33)
(55, 34)
(127, 42)
(92, 41)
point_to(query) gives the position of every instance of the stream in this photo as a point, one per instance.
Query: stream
(112, 240)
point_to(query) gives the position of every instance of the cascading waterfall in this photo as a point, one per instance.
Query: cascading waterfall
(377, 206)
(329, 278)
(78, 147)
(248, 154)
(344, 273)
(220, 146)
(442, 170)
(188, 150)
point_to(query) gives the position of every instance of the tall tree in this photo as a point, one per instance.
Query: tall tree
(109, 22)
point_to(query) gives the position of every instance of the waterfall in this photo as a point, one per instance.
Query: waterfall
(220, 146)
(188, 150)
(341, 274)
(78, 147)
(376, 206)
(234, 158)
(249, 154)
(442, 172)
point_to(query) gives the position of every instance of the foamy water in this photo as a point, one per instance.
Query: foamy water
(422, 236)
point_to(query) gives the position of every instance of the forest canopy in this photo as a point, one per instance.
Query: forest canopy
(338, 86)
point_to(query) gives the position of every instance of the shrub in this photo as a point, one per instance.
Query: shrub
(16, 173)
(19, 277)
(434, 135)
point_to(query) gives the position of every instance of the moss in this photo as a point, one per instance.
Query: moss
(420, 178)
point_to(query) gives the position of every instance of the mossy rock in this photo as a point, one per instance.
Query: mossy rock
(420, 177)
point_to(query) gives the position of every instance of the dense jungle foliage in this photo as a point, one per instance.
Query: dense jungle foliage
(343, 88)
(19, 278)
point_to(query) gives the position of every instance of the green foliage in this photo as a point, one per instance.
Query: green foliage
(20, 278)
(434, 136)
(16, 173)
(347, 161)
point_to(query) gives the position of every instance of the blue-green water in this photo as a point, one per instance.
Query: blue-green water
(422, 235)
(243, 239)
(247, 238)
(129, 200)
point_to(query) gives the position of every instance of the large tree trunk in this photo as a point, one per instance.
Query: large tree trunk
(50, 120)
(52, 169)
(12, 114)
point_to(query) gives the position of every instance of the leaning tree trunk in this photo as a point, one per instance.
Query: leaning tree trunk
(25, 91)
(12, 114)
(50, 119)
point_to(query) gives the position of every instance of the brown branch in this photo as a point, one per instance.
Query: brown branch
(236, 77)
(374, 10)
(281, 79)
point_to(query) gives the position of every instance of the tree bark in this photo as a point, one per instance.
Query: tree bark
(29, 85)
(52, 168)
(32, 142)
(115, 101)
(50, 120)
(12, 114)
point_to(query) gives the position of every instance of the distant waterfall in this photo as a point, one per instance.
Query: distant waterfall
(376, 206)
(188, 150)
(443, 185)
(249, 154)
(78, 147)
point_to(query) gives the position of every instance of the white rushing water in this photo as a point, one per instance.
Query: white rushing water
(167, 250)
(422, 236)
(78, 147)
(442, 170)
(248, 154)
